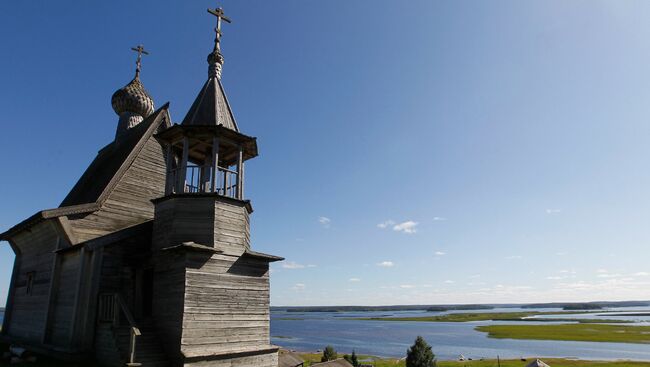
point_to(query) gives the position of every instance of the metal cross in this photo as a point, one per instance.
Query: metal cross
(138, 63)
(218, 12)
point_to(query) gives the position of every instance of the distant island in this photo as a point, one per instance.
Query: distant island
(567, 306)
(572, 306)
(429, 308)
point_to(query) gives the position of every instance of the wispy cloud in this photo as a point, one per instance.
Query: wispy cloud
(406, 227)
(641, 274)
(449, 282)
(298, 287)
(354, 280)
(324, 221)
(553, 211)
(386, 264)
(292, 265)
(386, 224)
(407, 286)
(514, 257)
(439, 219)
(440, 253)
(554, 278)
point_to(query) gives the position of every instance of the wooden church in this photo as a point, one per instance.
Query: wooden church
(148, 261)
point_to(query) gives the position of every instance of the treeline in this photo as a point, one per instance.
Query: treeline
(588, 305)
(431, 308)
(456, 307)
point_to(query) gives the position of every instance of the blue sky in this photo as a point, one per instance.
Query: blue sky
(412, 152)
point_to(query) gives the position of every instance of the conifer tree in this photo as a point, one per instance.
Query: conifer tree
(329, 354)
(420, 354)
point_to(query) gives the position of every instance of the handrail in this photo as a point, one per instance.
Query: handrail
(109, 304)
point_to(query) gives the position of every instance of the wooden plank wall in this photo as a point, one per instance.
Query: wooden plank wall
(168, 301)
(130, 201)
(61, 325)
(231, 228)
(262, 360)
(29, 312)
(226, 304)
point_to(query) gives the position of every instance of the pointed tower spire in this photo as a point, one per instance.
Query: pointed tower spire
(211, 106)
(215, 58)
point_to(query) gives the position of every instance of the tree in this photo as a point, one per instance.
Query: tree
(420, 354)
(329, 354)
(352, 358)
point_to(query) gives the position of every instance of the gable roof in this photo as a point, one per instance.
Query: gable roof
(289, 359)
(112, 161)
(211, 107)
(335, 363)
(537, 363)
(102, 175)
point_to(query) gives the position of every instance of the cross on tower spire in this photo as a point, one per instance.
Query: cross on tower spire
(218, 12)
(138, 63)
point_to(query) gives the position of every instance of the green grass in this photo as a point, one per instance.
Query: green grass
(477, 316)
(573, 332)
(553, 362)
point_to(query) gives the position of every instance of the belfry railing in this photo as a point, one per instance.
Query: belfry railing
(199, 179)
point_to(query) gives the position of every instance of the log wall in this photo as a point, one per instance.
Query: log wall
(29, 311)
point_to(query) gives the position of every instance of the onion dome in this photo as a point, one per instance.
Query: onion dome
(132, 102)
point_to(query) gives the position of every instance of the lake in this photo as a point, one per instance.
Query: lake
(311, 331)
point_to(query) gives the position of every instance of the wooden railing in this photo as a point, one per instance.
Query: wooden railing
(199, 179)
(110, 306)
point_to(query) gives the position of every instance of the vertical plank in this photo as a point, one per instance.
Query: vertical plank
(180, 183)
(169, 180)
(215, 162)
(240, 169)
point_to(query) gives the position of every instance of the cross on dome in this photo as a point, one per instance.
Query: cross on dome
(138, 63)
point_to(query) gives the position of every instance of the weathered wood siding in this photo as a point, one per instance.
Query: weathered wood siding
(231, 227)
(130, 201)
(207, 220)
(261, 360)
(64, 295)
(168, 301)
(226, 304)
(106, 351)
(29, 311)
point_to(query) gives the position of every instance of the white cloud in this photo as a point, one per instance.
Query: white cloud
(554, 278)
(407, 286)
(406, 227)
(641, 274)
(386, 264)
(440, 253)
(439, 219)
(311, 266)
(292, 265)
(514, 257)
(354, 280)
(553, 211)
(298, 287)
(386, 224)
(324, 221)
(449, 282)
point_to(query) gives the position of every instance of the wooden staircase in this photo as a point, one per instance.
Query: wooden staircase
(148, 350)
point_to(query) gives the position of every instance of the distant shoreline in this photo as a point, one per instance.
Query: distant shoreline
(464, 307)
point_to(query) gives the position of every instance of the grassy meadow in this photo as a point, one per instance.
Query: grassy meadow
(311, 358)
(573, 332)
(494, 316)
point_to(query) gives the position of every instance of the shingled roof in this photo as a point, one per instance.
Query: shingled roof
(112, 161)
(211, 107)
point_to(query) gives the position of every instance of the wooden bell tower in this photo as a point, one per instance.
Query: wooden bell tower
(211, 291)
